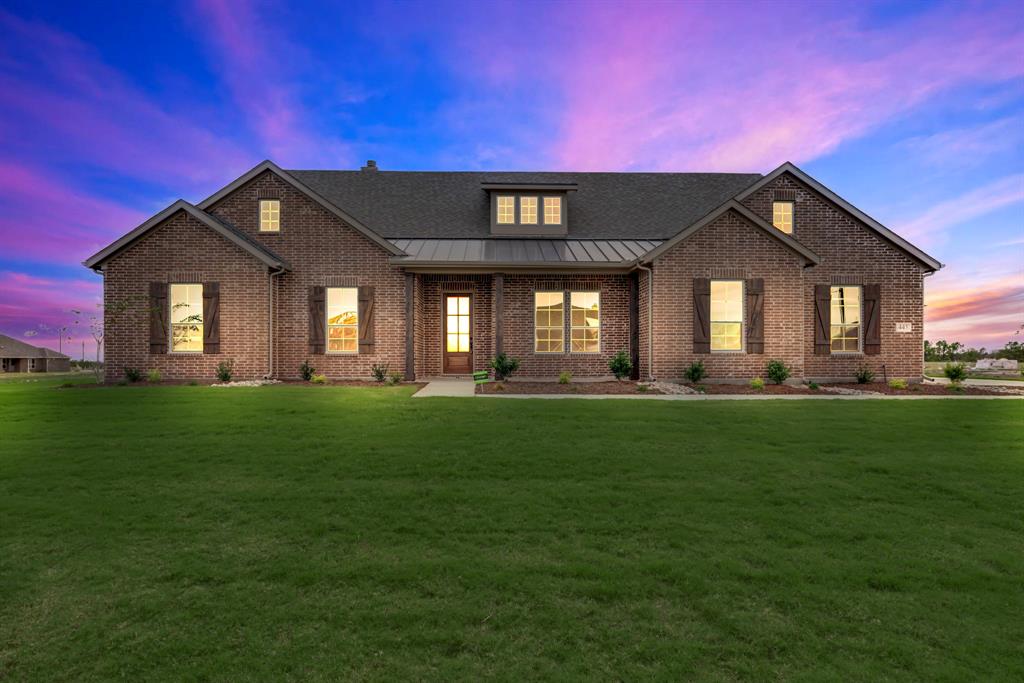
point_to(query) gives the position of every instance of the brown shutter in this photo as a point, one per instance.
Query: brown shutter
(701, 315)
(872, 320)
(211, 317)
(366, 319)
(158, 317)
(317, 319)
(755, 315)
(822, 320)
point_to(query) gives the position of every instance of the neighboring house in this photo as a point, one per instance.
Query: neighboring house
(17, 356)
(434, 273)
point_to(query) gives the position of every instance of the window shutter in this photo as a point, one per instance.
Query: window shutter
(211, 317)
(755, 315)
(366, 319)
(872, 320)
(317, 319)
(822, 320)
(158, 317)
(701, 315)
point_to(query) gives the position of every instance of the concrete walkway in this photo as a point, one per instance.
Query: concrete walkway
(447, 387)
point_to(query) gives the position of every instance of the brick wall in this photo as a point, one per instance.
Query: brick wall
(429, 352)
(727, 248)
(852, 253)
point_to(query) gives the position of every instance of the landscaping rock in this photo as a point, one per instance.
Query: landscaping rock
(849, 392)
(671, 388)
(247, 383)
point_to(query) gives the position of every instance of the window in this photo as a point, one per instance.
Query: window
(727, 315)
(552, 210)
(585, 322)
(342, 320)
(549, 322)
(528, 210)
(845, 314)
(782, 216)
(270, 215)
(457, 324)
(187, 318)
(506, 210)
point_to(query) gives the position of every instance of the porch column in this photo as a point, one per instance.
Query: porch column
(634, 324)
(499, 312)
(410, 327)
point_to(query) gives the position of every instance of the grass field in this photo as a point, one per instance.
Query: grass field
(322, 533)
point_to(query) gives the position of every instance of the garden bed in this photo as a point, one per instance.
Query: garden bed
(923, 389)
(608, 388)
(771, 389)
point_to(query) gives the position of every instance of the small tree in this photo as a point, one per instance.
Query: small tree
(955, 372)
(777, 371)
(504, 366)
(620, 365)
(696, 372)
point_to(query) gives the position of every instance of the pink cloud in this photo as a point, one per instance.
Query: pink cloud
(983, 307)
(931, 226)
(34, 308)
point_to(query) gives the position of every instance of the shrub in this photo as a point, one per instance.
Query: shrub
(132, 374)
(897, 384)
(620, 365)
(701, 389)
(757, 384)
(864, 375)
(306, 370)
(642, 388)
(225, 369)
(380, 372)
(504, 366)
(813, 386)
(955, 372)
(777, 371)
(395, 378)
(696, 372)
(955, 388)
(318, 379)
(564, 377)
(154, 376)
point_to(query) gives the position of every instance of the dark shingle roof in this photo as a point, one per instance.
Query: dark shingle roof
(15, 348)
(453, 205)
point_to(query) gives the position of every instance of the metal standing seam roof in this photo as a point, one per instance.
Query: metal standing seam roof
(522, 251)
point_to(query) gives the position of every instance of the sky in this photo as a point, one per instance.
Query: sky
(912, 111)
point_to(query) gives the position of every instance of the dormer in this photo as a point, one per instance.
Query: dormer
(529, 210)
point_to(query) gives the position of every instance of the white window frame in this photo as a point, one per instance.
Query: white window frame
(600, 322)
(548, 327)
(273, 212)
(328, 326)
(170, 319)
(792, 215)
(742, 321)
(860, 321)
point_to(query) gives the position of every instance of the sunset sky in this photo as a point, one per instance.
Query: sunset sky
(912, 111)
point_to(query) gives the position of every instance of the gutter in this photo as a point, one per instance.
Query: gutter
(650, 318)
(270, 320)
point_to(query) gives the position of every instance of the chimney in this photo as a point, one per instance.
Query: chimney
(370, 167)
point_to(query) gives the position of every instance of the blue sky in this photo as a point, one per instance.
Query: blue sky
(913, 111)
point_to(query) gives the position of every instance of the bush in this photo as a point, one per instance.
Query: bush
(813, 386)
(154, 376)
(504, 366)
(777, 371)
(620, 365)
(380, 372)
(696, 372)
(897, 384)
(642, 388)
(132, 374)
(955, 372)
(864, 375)
(306, 370)
(225, 369)
(757, 384)
(395, 378)
(955, 388)
(318, 379)
(564, 377)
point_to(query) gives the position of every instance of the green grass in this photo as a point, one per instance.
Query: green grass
(321, 533)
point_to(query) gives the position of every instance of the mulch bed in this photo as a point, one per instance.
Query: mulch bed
(746, 389)
(207, 383)
(612, 388)
(921, 389)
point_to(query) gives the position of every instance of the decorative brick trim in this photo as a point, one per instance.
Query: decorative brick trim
(340, 281)
(728, 274)
(846, 280)
(785, 195)
(186, 276)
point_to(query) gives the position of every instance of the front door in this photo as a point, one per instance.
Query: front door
(458, 338)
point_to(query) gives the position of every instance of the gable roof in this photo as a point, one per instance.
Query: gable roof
(330, 205)
(456, 204)
(752, 218)
(929, 261)
(15, 348)
(225, 230)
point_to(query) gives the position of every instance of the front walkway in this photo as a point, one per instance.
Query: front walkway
(447, 387)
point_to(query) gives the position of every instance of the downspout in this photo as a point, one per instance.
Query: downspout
(270, 321)
(650, 319)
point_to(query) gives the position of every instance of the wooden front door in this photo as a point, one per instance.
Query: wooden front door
(458, 335)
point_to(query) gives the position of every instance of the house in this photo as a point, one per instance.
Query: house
(434, 273)
(17, 356)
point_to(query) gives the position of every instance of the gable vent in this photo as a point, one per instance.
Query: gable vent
(785, 195)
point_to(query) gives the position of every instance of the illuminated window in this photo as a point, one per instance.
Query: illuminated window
(585, 322)
(726, 315)
(845, 314)
(552, 210)
(187, 318)
(549, 322)
(506, 209)
(782, 216)
(270, 215)
(457, 324)
(528, 210)
(343, 320)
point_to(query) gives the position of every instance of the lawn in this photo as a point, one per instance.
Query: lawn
(326, 533)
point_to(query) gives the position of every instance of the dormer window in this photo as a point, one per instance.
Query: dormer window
(506, 209)
(552, 211)
(528, 210)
